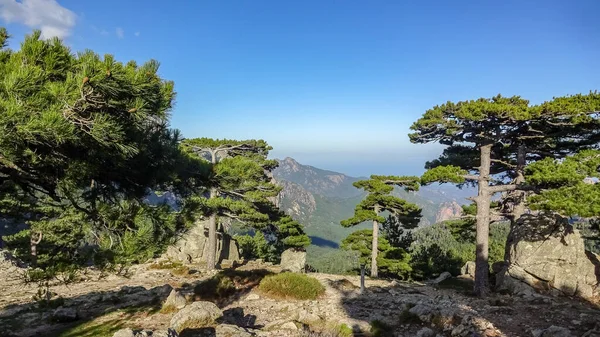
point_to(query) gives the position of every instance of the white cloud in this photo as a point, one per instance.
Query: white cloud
(47, 15)
(136, 34)
(120, 32)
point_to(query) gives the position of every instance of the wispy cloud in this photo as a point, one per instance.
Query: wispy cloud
(120, 32)
(47, 15)
(136, 34)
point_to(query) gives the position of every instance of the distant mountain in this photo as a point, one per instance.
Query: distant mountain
(320, 199)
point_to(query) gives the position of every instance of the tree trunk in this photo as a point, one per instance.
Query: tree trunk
(519, 196)
(33, 246)
(374, 246)
(483, 200)
(211, 260)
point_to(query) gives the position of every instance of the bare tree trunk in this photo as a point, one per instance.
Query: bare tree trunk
(33, 245)
(519, 196)
(482, 287)
(375, 245)
(211, 260)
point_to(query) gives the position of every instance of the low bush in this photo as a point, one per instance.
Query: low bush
(291, 285)
(380, 329)
(227, 283)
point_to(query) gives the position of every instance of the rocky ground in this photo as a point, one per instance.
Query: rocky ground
(98, 305)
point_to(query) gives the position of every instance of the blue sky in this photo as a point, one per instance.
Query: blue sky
(334, 84)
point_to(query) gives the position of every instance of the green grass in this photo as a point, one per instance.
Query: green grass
(292, 286)
(95, 329)
(407, 317)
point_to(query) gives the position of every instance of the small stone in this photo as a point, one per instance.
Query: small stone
(231, 330)
(252, 297)
(127, 332)
(443, 276)
(425, 332)
(63, 315)
(176, 300)
(289, 326)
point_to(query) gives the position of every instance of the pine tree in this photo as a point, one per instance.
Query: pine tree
(380, 200)
(240, 188)
(79, 131)
(490, 141)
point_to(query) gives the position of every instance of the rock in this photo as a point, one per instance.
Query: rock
(289, 326)
(424, 311)
(546, 254)
(231, 331)
(162, 291)
(591, 333)
(468, 269)
(293, 260)
(443, 276)
(132, 290)
(127, 332)
(63, 315)
(192, 247)
(176, 300)
(199, 314)
(474, 326)
(553, 331)
(252, 297)
(425, 332)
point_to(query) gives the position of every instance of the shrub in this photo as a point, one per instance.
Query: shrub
(227, 283)
(332, 261)
(291, 285)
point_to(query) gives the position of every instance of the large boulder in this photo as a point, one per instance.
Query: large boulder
(293, 260)
(548, 255)
(196, 315)
(176, 300)
(192, 246)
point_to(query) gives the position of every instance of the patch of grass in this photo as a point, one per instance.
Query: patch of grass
(181, 271)
(291, 285)
(327, 329)
(380, 329)
(94, 329)
(407, 317)
(166, 264)
(168, 309)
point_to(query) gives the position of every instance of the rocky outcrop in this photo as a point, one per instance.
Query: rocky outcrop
(295, 201)
(293, 260)
(545, 253)
(448, 211)
(192, 247)
(196, 315)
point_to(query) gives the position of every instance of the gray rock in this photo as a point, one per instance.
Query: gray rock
(443, 276)
(424, 311)
(132, 290)
(63, 315)
(176, 300)
(199, 314)
(293, 260)
(425, 332)
(553, 331)
(127, 332)
(192, 247)
(546, 254)
(468, 269)
(168, 333)
(231, 331)
(289, 326)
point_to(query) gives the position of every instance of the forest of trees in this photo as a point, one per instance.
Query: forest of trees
(86, 139)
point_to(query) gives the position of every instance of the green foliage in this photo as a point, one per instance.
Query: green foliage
(257, 247)
(444, 174)
(332, 261)
(562, 187)
(436, 248)
(390, 260)
(291, 286)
